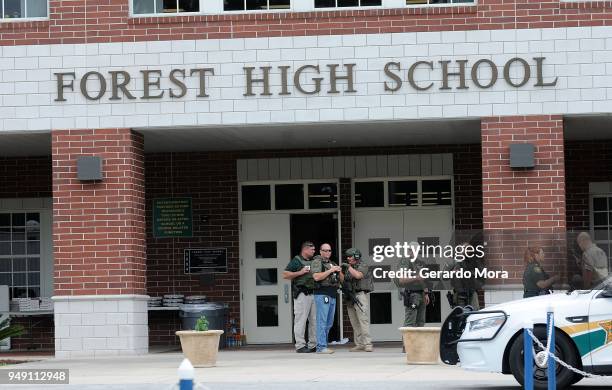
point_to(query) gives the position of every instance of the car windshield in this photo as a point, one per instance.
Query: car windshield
(607, 283)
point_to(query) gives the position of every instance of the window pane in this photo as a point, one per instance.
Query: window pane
(19, 279)
(5, 234)
(18, 220)
(144, 6)
(369, 194)
(256, 198)
(233, 5)
(600, 219)
(371, 3)
(5, 265)
(19, 264)
(289, 196)
(169, 6)
(33, 292)
(325, 3)
(5, 280)
(600, 204)
(33, 279)
(265, 250)
(34, 248)
(13, 9)
(5, 248)
(189, 5)
(256, 4)
(267, 310)
(18, 234)
(280, 4)
(436, 192)
(266, 277)
(5, 219)
(33, 264)
(403, 193)
(18, 248)
(380, 308)
(322, 196)
(37, 8)
(19, 292)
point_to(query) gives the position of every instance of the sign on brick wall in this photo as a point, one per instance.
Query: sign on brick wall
(172, 217)
(206, 260)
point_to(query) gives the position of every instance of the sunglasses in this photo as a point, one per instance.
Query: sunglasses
(325, 250)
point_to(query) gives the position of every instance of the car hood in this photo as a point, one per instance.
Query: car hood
(535, 308)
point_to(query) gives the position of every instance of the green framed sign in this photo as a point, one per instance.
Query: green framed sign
(172, 217)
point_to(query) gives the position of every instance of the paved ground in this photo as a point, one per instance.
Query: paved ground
(278, 369)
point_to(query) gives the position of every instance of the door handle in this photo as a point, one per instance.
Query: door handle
(286, 293)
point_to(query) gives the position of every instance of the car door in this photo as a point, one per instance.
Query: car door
(600, 329)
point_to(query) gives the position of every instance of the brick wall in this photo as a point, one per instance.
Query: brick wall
(523, 207)
(77, 21)
(25, 177)
(210, 179)
(98, 227)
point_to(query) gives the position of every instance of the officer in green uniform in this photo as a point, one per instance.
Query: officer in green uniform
(415, 292)
(465, 289)
(302, 285)
(535, 280)
(357, 280)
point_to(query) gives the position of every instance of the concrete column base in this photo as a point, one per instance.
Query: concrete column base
(100, 325)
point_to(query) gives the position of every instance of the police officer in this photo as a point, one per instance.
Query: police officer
(302, 285)
(465, 289)
(327, 281)
(358, 282)
(535, 280)
(594, 262)
(415, 293)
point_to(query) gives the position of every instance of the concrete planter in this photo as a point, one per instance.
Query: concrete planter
(200, 348)
(421, 344)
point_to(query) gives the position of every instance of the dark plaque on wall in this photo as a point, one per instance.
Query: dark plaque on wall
(172, 217)
(206, 260)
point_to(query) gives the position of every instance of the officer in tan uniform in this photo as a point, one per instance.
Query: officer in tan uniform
(358, 283)
(594, 262)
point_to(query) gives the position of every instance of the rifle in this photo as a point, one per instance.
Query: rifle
(351, 297)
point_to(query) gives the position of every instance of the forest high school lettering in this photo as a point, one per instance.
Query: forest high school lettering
(305, 80)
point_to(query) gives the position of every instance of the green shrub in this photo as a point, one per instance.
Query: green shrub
(10, 331)
(201, 324)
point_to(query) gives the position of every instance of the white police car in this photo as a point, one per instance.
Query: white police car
(492, 339)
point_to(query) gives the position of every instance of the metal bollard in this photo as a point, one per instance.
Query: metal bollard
(528, 356)
(550, 327)
(186, 375)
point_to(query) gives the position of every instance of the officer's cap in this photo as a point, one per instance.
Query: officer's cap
(354, 252)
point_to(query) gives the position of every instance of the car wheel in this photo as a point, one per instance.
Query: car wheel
(563, 350)
(577, 378)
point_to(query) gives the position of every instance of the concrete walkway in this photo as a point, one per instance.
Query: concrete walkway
(278, 369)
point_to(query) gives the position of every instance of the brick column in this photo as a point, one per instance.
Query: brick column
(99, 245)
(526, 206)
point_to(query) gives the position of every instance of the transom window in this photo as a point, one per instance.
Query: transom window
(289, 196)
(255, 5)
(20, 9)
(426, 191)
(20, 254)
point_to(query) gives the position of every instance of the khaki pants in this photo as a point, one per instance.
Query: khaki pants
(360, 321)
(304, 310)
